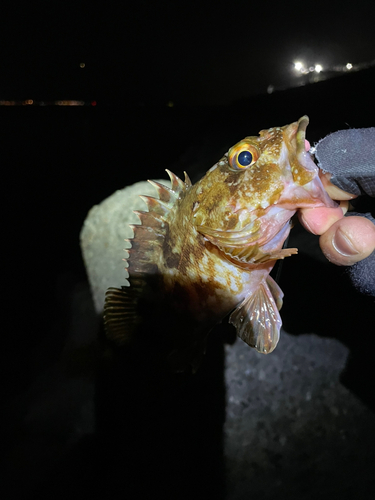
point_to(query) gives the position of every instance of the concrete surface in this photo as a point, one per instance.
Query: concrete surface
(102, 238)
(291, 427)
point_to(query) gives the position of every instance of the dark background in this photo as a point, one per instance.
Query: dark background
(214, 62)
(198, 53)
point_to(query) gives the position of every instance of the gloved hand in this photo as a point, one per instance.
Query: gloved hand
(347, 162)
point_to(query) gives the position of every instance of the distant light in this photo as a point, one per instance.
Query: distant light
(28, 102)
(69, 103)
(298, 66)
(349, 66)
(82, 65)
(170, 104)
(311, 69)
(318, 68)
(270, 89)
(93, 103)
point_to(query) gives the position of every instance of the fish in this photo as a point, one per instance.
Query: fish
(204, 251)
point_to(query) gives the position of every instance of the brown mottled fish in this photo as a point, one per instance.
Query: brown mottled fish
(204, 250)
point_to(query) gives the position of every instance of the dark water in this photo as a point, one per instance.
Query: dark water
(56, 164)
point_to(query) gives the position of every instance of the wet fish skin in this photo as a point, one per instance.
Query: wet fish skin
(204, 250)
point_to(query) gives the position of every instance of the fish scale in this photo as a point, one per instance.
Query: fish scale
(203, 251)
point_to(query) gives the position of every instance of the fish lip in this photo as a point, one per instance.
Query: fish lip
(301, 134)
(300, 137)
(253, 233)
(304, 157)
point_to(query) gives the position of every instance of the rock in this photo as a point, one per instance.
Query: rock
(290, 423)
(102, 238)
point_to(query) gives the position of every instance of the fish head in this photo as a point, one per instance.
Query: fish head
(247, 198)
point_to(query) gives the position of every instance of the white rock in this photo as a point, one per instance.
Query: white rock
(102, 238)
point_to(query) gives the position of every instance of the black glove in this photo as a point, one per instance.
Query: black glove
(349, 155)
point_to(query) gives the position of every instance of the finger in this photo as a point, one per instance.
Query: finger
(334, 192)
(318, 220)
(348, 240)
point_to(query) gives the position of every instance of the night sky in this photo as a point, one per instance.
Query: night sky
(195, 52)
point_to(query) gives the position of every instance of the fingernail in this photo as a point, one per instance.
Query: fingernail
(343, 245)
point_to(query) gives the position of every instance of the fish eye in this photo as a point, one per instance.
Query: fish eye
(242, 155)
(245, 158)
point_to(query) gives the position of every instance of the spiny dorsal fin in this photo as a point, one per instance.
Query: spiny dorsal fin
(187, 180)
(150, 219)
(155, 205)
(146, 244)
(145, 250)
(145, 232)
(177, 185)
(120, 316)
(165, 194)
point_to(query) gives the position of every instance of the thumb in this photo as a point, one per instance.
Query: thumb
(348, 240)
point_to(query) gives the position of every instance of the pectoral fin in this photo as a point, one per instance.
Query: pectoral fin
(257, 319)
(276, 291)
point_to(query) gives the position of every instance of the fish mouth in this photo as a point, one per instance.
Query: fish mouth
(297, 133)
(258, 235)
(301, 135)
(307, 189)
(303, 168)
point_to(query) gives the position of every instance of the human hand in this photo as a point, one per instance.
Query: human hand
(344, 240)
(347, 161)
